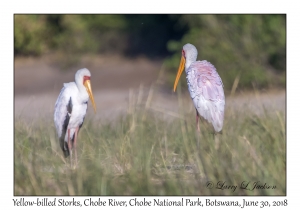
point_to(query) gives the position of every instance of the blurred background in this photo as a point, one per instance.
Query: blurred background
(126, 51)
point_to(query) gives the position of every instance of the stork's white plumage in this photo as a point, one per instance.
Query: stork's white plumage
(205, 87)
(70, 110)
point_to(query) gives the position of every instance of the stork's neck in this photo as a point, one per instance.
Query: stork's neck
(189, 61)
(80, 85)
(190, 52)
(82, 91)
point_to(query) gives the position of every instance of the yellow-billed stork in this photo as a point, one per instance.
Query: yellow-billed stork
(205, 87)
(70, 110)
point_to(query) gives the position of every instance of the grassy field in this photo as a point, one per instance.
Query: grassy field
(148, 152)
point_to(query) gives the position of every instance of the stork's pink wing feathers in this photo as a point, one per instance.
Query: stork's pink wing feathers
(208, 80)
(207, 92)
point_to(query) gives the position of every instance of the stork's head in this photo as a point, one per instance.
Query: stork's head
(188, 55)
(83, 78)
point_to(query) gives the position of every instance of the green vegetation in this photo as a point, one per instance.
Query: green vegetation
(149, 152)
(248, 49)
(121, 34)
(152, 153)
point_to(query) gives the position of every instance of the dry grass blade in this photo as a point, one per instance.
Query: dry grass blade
(154, 151)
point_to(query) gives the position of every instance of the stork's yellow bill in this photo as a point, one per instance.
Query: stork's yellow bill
(87, 85)
(179, 72)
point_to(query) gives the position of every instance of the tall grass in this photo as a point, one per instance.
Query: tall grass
(147, 152)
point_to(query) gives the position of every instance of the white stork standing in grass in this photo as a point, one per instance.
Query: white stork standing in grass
(205, 87)
(70, 110)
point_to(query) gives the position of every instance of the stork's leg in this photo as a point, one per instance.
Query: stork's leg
(75, 143)
(197, 120)
(198, 128)
(70, 147)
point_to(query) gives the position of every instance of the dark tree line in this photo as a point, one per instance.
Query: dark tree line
(250, 47)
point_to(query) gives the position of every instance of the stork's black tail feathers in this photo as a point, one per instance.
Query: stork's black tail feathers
(63, 144)
(66, 151)
(64, 147)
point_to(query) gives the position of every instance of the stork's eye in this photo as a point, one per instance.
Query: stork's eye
(183, 53)
(86, 78)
